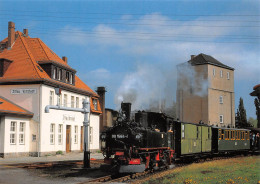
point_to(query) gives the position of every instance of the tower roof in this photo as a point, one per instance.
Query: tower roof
(202, 59)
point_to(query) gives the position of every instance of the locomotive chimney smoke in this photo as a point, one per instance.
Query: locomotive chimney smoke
(126, 108)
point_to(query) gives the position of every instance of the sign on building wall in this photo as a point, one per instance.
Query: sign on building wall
(23, 91)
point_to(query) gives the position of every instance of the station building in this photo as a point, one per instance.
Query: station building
(32, 77)
(205, 92)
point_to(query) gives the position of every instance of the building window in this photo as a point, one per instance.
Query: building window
(52, 133)
(91, 135)
(33, 137)
(21, 132)
(54, 73)
(72, 101)
(228, 77)
(65, 100)
(12, 132)
(221, 119)
(77, 102)
(71, 78)
(51, 97)
(59, 74)
(214, 72)
(221, 73)
(221, 99)
(59, 100)
(67, 77)
(76, 135)
(60, 133)
(95, 104)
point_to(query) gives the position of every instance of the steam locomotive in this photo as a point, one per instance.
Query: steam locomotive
(154, 140)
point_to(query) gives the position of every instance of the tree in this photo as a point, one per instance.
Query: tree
(241, 120)
(257, 106)
(253, 122)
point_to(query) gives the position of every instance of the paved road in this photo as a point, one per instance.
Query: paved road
(13, 175)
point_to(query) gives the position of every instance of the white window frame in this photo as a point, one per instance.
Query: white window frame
(72, 101)
(214, 72)
(59, 100)
(22, 133)
(52, 133)
(60, 133)
(77, 102)
(76, 132)
(221, 119)
(51, 99)
(221, 99)
(13, 126)
(91, 135)
(228, 75)
(65, 100)
(221, 73)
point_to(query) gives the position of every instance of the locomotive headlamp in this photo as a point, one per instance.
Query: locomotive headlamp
(138, 136)
(103, 136)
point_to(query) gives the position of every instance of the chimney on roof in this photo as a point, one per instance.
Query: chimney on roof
(65, 59)
(101, 92)
(11, 34)
(25, 32)
(192, 56)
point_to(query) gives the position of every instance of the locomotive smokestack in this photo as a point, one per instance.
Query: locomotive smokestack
(126, 108)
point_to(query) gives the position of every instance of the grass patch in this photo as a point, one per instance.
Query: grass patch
(235, 170)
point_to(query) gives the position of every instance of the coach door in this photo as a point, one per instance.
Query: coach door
(68, 138)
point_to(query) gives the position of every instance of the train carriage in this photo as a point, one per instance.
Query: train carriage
(192, 139)
(230, 140)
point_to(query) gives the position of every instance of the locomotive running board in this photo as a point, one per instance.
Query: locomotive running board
(131, 168)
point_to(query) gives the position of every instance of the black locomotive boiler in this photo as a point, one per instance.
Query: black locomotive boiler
(129, 146)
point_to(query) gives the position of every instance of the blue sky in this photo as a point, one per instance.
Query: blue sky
(132, 47)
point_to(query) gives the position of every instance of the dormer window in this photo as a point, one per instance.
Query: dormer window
(54, 73)
(4, 64)
(71, 79)
(95, 104)
(59, 74)
(67, 77)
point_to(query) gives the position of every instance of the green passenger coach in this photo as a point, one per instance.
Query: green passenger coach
(192, 139)
(230, 139)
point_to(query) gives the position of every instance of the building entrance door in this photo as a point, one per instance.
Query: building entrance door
(68, 138)
(81, 138)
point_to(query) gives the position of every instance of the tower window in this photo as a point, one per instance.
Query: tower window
(228, 77)
(221, 73)
(221, 99)
(214, 72)
(221, 119)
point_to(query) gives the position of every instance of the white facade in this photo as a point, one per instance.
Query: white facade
(58, 130)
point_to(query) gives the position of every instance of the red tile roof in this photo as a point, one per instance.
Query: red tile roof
(25, 53)
(9, 108)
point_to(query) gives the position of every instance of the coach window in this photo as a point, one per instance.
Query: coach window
(238, 135)
(235, 134)
(243, 135)
(197, 132)
(219, 134)
(182, 131)
(222, 135)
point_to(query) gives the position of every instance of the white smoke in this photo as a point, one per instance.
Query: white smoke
(146, 87)
(192, 80)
